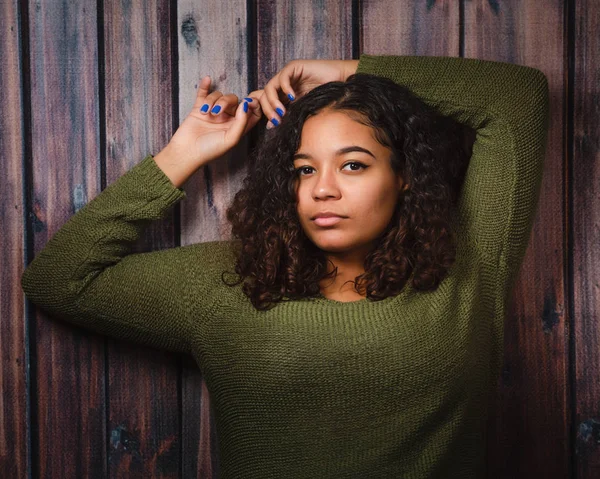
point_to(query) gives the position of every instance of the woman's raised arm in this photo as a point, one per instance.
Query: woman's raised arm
(88, 274)
(508, 106)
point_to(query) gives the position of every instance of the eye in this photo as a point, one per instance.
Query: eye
(356, 163)
(299, 171)
(357, 167)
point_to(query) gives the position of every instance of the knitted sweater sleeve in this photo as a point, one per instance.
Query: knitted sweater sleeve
(87, 274)
(508, 107)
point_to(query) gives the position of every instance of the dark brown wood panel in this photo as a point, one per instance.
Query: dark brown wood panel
(410, 28)
(143, 410)
(212, 40)
(585, 193)
(14, 415)
(69, 362)
(155, 425)
(287, 30)
(528, 434)
(201, 27)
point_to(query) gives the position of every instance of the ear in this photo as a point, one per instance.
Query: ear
(401, 185)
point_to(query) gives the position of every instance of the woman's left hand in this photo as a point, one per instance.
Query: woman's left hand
(297, 78)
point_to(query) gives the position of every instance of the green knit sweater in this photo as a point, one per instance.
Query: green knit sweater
(319, 388)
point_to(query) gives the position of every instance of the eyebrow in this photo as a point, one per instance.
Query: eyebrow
(341, 151)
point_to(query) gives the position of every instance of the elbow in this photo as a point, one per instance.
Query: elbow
(45, 289)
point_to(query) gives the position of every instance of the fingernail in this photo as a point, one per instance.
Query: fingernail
(248, 99)
(245, 107)
(216, 109)
(204, 108)
(279, 111)
(275, 121)
(290, 96)
(269, 126)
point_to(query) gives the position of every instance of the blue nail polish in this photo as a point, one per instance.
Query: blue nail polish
(290, 96)
(248, 99)
(245, 107)
(279, 111)
(275, 121)
(204, 108)
(216, 109)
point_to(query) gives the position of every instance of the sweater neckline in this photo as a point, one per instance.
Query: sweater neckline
(361, 303)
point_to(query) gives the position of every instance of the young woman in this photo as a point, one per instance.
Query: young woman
(353, 326)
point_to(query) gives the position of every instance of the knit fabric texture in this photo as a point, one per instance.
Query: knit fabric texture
(318, 388)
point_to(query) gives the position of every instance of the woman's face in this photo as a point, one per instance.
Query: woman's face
(342, 169)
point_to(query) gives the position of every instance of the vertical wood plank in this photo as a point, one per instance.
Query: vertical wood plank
(14, 414)
(144, 415)
(212, 40)
(418, 28)
(531, 425)
(287, 30)
(528, 427)
(69, 366)
(586, 238)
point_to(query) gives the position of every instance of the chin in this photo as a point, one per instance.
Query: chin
(333, 246)
(334, 249)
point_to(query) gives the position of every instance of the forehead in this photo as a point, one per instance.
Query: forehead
(330, 132)
(331, 125)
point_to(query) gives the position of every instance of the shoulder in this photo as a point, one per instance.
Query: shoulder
(212, 254)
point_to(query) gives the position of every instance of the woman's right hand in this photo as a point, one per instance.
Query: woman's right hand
(216, 124)
(297, 78)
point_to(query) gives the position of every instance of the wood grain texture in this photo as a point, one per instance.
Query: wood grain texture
(69, 374)
(410, 27)
(212, 40)
(14, 414)
(144, 414)
(200, 439)
(528, 428)
(287, 30)
(585, 192)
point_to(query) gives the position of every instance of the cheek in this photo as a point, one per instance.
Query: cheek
(373, 202)
(302, 211)
(300, 200)
(298, 194)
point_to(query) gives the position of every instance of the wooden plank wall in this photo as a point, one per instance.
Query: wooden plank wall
(88, 88)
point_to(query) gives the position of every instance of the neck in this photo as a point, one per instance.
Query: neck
(349, 266)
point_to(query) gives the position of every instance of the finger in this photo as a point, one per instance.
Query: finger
(255, 95)
(253, 100)
(225, 104)
(285, 76)
(292, 72)
(265, 105)
(237, 129)
(272, 107)
(203, 89)
(254, 116)
(208, 102)
(254, 111)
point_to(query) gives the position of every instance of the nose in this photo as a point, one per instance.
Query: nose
(325, 186)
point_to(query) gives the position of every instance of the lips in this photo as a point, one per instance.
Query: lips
(327, 218)
(327, 214)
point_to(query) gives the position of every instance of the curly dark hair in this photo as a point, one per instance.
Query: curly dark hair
(275, 256)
